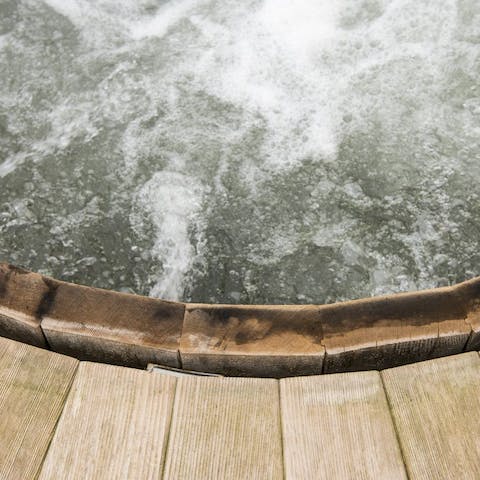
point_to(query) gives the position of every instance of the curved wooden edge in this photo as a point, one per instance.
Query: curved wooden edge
(240, 340)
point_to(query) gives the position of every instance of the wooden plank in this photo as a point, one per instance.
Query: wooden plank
(436, 408)
(471, 292)
(23, 297)
(256, 341)
(225, 428)
(337, 427)
(114, 425)
(111, 327)
(384, 332)
(33, 386)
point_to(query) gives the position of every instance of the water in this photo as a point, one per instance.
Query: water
(272, 151)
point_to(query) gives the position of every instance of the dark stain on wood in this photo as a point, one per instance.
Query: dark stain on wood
(415, 310)
(4, 278)
(48, 298)
(247, 325)
(166, 312)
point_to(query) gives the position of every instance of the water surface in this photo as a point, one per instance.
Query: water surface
(272, 151)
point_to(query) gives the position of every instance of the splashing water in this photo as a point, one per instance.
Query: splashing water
(272, 151)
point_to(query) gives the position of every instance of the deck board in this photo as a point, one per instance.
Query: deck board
(33, 386)
(339, 427)
(114, 425)
(436, 407)
(225, 428)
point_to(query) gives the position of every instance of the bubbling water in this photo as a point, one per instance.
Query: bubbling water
(271, 151)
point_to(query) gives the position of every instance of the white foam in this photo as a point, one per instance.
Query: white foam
(11, 163)
(166, 16)
(265, 62)
(4, 40)
(71, 9)
(173, 201)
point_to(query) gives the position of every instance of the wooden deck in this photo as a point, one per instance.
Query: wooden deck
(65, 419)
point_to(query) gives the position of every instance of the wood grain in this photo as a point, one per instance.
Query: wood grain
(33, 386)
(338, 427)
(225, 428)
(252, 341)
(23, 296)
(392, 330)
(114, 425)
(111, 327)
(436, 407)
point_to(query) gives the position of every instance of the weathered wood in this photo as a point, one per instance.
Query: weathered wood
(436, 408)
(225, 428)
(338, 427)
(239, 340)
(114, 425)
(33, 386)
(263, 341)
(23, 296)
(383, 332)
(470, 290)
(111, 327)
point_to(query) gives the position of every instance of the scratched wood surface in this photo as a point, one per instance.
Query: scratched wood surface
(33, 386)
(225, 428)
(114, 425)
(436, 408)
(338, 427)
